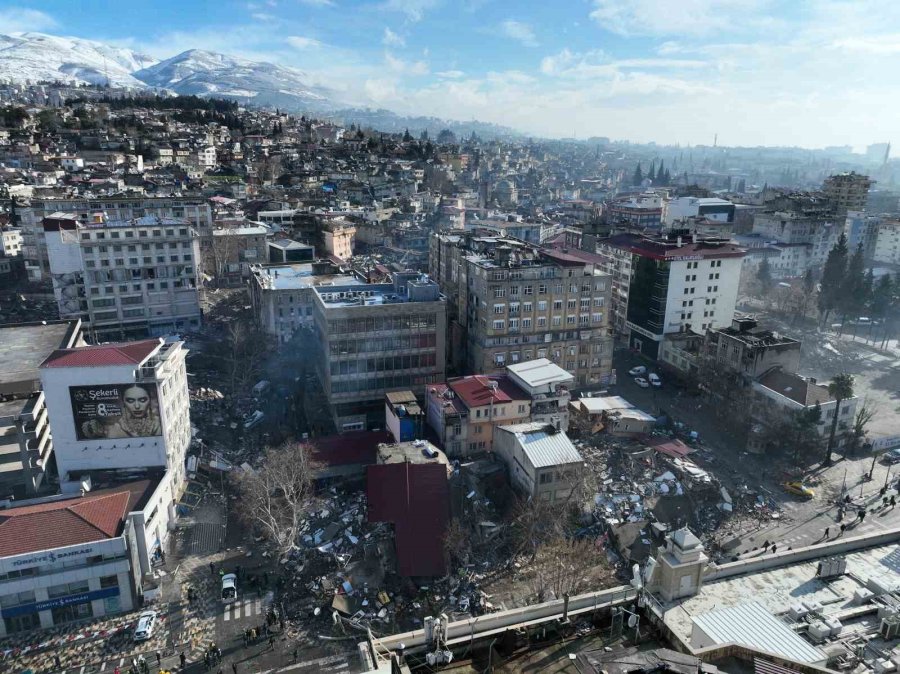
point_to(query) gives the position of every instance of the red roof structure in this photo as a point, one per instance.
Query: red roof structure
(475, 390)
(670, 447)
(348, 448)
(81, 519)
(123, 353)
(415, 498)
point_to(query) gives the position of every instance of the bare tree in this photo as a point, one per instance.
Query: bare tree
(864, 415)
(458, 543)
(224, 250)
(567, 566)
(275, 498)
(248, 349)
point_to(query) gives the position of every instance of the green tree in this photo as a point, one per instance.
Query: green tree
(852, 298)
(833, 276)
(638, 176)
(660, 175)
(840, 388)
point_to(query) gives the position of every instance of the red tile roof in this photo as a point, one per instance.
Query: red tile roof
(81, 519)
(415, 497)
(124, 353)
(475, 390)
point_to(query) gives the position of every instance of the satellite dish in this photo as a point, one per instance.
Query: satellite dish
(632, 621)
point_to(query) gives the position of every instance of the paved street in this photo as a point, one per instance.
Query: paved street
(799, 522)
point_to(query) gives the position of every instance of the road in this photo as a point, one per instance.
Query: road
(799, 522)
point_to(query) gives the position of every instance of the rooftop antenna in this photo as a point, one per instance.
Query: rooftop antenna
(715, 140)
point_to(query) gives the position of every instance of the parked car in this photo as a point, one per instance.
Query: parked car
(637, 371)
(655, 380)
(799, 489)
(891, 456)
(145, 624)
(643, 383)
(253, 419)
(229, 588)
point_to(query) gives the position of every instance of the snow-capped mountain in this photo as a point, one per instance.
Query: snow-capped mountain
(205, 73)
(36, 56)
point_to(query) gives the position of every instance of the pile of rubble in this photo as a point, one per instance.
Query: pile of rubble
(341, 578)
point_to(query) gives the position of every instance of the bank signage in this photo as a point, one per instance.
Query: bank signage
(59, 602)
(50, 557)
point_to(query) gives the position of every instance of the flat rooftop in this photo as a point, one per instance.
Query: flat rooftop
(417, 451)
(22, 350)
(779, 588)
(300, 276)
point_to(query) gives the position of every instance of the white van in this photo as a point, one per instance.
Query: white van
(654, 379)
(145, 624)
(229, 588)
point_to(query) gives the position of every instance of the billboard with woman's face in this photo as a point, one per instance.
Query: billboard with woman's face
(107, 411)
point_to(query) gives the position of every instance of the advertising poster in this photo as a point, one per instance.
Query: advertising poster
(107, 411)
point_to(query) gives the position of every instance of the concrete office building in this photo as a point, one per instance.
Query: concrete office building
(125, 279)
(195, 210)
(511, 302)
(26, 443)
(282, 295)
(228, 252)
(676, 284)
(121, 406)
(861, 229)
(374, 338)
(76, 556)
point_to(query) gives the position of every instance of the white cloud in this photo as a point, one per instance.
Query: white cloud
(263, 17)
(317, 3)
(300, 42)
(877, 45)
(23, 20)
(450, 74)
(392, 39)
(663, 17)
(517, 30)
(405, 67)
(413, 9)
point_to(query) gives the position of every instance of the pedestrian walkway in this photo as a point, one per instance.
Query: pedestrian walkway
(246, 608)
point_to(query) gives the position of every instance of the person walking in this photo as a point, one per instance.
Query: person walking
(233, 668)
(183, 659)
(212, 568)
(843, 529)
(158, 659)
(272, 641)
(774, 548)
(116, 671)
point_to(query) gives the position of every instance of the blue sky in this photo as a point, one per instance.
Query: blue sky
(757, 72)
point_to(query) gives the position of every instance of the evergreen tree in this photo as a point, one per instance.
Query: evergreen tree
(833, 275)
(638, 176)
(882, 294)
(651, 174)
(868, 289)
(667, 178)
(406, 136)
(660, 176)
(852, 296)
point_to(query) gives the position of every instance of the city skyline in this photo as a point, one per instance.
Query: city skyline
(755, 72)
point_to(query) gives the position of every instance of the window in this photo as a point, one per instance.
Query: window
(526, 323)
(513, 323)
(499, 325)
(542, 305)
(570, 304)
(528, 290)
(557, 321)
(557, 305)
(499, 358)
(542, 289)
(527, 306)
(522, 409)
(499, 292)
(541, 321)
(546, 478)
(514, 290)
(570, 319)
(597, 318)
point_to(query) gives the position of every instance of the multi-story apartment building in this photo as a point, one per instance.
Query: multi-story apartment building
(676, 284)
(465, 411)
(12, 242)
(711, 208)
(34, 249)
(282, 295)
(374, 338)
(847, 192)
(804, 238)
(861, 229)
(743, 349)
(26, 443)
(123, 279)
(511, 302)
(887, 243)
(640, 211)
